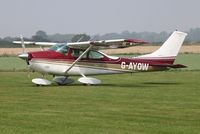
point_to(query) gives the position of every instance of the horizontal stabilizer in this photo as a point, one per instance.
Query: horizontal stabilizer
(170, 65)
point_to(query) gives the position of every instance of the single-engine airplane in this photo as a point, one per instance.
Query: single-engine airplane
(84, 58)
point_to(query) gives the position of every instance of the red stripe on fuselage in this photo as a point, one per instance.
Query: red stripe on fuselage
(56, 56)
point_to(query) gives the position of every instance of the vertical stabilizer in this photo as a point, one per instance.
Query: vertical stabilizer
(170, 48)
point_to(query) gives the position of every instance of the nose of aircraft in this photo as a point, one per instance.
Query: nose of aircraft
(23, 56)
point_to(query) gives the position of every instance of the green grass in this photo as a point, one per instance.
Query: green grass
(141, 103)
(192, 61)
(12, 64)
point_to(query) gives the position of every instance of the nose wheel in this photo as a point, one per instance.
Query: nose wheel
(41, 82)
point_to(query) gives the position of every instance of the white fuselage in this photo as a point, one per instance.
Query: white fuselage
(60, 68)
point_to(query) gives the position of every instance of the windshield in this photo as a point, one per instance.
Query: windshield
(55, 47)
(61, 48)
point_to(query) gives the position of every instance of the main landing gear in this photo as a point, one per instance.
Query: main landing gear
(89, 81)
(64, 80)
(60, 80)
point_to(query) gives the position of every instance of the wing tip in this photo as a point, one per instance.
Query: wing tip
(136, 41)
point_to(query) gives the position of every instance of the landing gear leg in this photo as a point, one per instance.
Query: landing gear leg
(62, 80)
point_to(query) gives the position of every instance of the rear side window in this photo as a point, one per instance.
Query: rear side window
(95, 55)
(90, 55)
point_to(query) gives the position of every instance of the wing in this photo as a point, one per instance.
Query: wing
(36, 43)
(96, 45)
(106, 44)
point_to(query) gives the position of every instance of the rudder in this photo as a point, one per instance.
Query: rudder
(170, 48)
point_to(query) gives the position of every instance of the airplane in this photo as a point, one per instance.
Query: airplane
(63, 60)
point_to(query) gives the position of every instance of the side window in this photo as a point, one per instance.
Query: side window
(84, 56)
(95, 55)
(76, 53)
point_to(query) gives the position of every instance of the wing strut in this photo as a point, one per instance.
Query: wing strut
(78, 59)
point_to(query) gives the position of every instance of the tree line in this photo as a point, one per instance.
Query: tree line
(152, 37)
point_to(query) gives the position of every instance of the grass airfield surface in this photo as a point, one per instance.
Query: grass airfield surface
(152, 103)
(161, 102)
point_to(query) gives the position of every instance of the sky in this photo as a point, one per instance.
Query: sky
(96, 16)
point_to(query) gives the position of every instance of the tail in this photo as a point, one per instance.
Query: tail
(169, 50)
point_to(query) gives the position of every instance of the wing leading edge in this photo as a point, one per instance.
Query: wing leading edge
(103, 44)
(106, 44)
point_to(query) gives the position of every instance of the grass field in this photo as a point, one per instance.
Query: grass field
(141, 103)
(12, 64)
(152, 103)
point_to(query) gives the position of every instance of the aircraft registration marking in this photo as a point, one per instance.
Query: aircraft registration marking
(134, 66)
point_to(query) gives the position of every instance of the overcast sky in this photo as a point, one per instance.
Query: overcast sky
(96, 16)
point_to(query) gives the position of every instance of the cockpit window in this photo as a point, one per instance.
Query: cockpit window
(61, 48)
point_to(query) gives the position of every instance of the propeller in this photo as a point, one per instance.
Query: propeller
(24, 54)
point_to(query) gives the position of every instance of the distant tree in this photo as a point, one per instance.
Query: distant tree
(8, 44)
(194, 35)
(9, 39)
(40, 36)
(80, 37)
(60, 37)
(157, 38)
